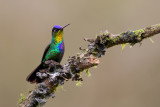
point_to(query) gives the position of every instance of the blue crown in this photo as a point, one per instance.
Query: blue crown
(57, 27)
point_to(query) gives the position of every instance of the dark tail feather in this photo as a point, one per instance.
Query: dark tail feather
(32, 78)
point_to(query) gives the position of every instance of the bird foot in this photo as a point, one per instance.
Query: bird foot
(52, 63)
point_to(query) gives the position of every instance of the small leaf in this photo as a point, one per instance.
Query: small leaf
(151, 39)
(88, 73)
(79, 83)
(123, 46)
(95, 66)
(22, 98)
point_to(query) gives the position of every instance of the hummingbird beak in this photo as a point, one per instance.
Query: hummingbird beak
(65, 26)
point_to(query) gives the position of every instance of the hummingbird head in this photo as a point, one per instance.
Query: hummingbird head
(57, 33)
(57, 30)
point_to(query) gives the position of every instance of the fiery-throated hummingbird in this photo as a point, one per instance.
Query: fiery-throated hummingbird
(54, 51)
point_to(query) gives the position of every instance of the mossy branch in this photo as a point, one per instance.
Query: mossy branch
(76, 64)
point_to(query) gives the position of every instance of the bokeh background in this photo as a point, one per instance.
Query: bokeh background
(123, 79)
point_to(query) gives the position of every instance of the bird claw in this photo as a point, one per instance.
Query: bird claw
(52, 63)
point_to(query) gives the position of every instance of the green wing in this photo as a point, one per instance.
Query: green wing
(45, 52)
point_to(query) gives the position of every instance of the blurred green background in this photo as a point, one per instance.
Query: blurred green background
(123, 79)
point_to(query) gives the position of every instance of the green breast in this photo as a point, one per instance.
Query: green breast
(55, 52)
(52, 54)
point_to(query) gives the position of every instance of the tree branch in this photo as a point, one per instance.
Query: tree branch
(76, 64)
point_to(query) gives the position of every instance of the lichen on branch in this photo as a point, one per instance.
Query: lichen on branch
(56, 74)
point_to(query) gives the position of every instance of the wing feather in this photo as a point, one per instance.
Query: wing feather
(45, 52)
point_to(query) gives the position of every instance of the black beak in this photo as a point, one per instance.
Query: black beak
(65, 26)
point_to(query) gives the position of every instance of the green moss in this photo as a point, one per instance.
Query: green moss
(54, 88)
(95, 53)
(139, 32)
(123, 46)
(78, 83)
(22, 98)
(157, 26)
(88, 73)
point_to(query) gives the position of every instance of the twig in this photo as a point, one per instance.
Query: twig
(76, 64)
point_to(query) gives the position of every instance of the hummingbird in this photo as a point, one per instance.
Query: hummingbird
(54, 51)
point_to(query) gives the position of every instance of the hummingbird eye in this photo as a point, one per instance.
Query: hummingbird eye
(55, 30)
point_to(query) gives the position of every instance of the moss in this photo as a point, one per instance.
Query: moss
(139, 32)
(109, 40)
(78, 83)
(94, 53)
(88, 73)
(123, 46)
(54, 88)
(157, 26)
(22, 98)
